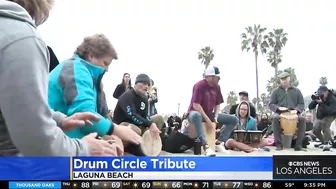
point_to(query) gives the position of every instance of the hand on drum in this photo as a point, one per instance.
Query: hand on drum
(294, 111)
(115, 141)
(127, 134)
(155, 131)
(283, 109)
(99, 147)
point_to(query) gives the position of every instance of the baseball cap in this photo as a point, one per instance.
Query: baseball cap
(284, 75)
(212, 71)
(245, 93)
(322, 89)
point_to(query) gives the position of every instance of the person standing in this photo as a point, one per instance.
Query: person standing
(125, 85)
(152, 99)
(326, 114)
(285, 98)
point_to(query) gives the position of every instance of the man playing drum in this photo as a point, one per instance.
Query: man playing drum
(283, 99)
(132, 110)
(205, 107)
(246, 123)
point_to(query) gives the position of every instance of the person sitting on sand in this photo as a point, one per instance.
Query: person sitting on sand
(244, 96)
(132, 109)
(310, 126)
(75, 86)
(264, 123)
(246, 122)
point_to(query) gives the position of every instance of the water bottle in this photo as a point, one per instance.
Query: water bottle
(197, 146)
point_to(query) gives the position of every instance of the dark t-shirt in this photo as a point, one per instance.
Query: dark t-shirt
(207, 96)
(132, 108)
(309, 126)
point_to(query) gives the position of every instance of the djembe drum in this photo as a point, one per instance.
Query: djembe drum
(247, 137)
(148, 147)
(240, 136)
(254, 136)
(288, 122)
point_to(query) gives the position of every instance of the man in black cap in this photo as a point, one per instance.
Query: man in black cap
(326, 113)
(285, 98)
(243, 96)
(132, 109)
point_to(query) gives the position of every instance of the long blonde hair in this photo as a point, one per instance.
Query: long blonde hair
(38, 9)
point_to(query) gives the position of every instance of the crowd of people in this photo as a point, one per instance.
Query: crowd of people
(50, 108)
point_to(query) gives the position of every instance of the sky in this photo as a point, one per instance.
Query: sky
(162, 38)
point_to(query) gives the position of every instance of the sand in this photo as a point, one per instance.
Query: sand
(311, 150)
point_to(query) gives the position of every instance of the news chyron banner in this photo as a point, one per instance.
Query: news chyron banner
(172, 168)
(307, 167)
(168, 168)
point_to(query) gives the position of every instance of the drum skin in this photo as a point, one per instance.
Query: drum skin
(149, 145)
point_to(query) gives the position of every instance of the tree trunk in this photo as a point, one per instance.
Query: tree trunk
(276, 67)
(257, 78)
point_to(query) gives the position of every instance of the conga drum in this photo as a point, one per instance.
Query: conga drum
(148, 147)
(254, 136)
(288, 122)
(240, 136)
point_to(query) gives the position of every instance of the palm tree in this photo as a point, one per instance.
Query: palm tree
(232, 98)
(323, 81)
(277, 40)
(206, 55)
(274, 59)
(255, 39)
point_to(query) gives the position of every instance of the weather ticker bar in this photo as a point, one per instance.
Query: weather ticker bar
(196, 184)
(168, 184)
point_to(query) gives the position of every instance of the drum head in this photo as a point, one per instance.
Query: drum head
(150, 146)
(288, 115)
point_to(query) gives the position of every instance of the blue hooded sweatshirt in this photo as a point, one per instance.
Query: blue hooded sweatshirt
(74, 86)
(250, 123)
